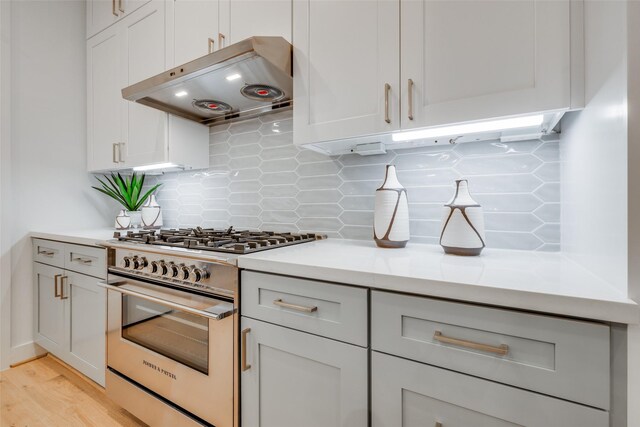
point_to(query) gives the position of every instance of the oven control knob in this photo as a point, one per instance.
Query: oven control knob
(126, 262)
(139, 263)
(184, 272)
(198, 274)
(173, 270)
(157, 267)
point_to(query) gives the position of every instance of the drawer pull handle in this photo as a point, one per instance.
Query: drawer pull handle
(303, 308)
(502, 349)
(55, 285)
(82, 260)
(46, 253)
(245, 366)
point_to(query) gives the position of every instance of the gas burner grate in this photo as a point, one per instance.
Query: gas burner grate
(217, 240)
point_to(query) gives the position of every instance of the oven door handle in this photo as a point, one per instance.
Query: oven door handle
(221, 311)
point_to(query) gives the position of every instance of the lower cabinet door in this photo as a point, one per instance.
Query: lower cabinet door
(86, 324)
(410, 394)
(294, 379)
(50, 332)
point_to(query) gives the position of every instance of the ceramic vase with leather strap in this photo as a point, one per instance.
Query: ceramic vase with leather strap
(151, 213)
(462, 231)
(123, 220)
(391, 215)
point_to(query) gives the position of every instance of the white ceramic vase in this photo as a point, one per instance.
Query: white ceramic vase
(123, 220)
(391, 215)
(151, 213)
(462, 231)
(136, 218)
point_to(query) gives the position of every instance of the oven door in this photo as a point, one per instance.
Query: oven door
(177, 344)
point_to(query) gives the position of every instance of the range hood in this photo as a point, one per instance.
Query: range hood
(246, 79)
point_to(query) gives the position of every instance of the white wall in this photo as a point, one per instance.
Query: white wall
(5, 175)
(594, 151)
(634, 207)
(48, 142)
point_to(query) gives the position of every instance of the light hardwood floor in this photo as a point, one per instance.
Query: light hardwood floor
(45, 392)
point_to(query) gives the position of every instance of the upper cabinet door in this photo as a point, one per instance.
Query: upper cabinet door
(195, 29)
(102, 13)
(477, 59)
(104, 100)
(144, 55)
(241, 19)
(347, 77)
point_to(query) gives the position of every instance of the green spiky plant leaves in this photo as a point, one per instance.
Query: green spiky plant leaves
(127, 191)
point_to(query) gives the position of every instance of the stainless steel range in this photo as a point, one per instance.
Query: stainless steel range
(173, 312)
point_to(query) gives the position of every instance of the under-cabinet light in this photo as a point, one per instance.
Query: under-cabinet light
(181, 93)
(154, 167)
(232, 77)
(470, 128)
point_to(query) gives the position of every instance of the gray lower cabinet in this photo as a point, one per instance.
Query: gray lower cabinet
(293, 379)
(69, 306)
(411, 394)
(49, 308)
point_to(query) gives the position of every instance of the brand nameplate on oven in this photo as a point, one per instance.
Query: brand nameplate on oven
(159, 369)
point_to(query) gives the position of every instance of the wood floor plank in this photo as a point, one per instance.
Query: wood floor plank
(45, 392)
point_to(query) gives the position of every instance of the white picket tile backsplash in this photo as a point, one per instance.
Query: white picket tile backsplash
(259, 179)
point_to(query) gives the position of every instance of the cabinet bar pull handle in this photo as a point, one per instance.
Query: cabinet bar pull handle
(62, 280)
(120, 6)
(245, 366)
(113, 8)
(55, 285)
(410, 97)
(303, 308)
(113, 151)
(46, 253)
(211, 42)
(387, 88)
(502, 349)
(222, 40)
(82, 260)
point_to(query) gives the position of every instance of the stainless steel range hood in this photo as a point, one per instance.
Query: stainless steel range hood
(246, 79)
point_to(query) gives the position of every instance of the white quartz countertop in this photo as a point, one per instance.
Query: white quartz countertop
(536, 281)
(93, 237)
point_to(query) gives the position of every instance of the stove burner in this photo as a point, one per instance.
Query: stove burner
(209, 239)
(212, 106)
(261, 92)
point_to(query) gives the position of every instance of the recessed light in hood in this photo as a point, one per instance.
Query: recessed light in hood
(246, 79)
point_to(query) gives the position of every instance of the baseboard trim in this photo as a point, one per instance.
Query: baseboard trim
(28, 360)
(25, 352)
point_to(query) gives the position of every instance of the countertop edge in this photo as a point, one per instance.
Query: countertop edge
(627, 312)
(70, 237)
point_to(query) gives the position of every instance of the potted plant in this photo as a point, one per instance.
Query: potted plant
(128, 192)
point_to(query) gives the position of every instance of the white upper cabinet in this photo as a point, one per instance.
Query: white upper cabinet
(144, 55)
(478, 59)
(446, 62)
(241, 19)
(104, 101)
(195, 29)
(122, 134)
(346, 68)
(103, 13)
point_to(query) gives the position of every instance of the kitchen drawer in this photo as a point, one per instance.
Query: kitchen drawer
(86, 260)
(333, 311)
(560, 357)
(48, 252)
(410, 394)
